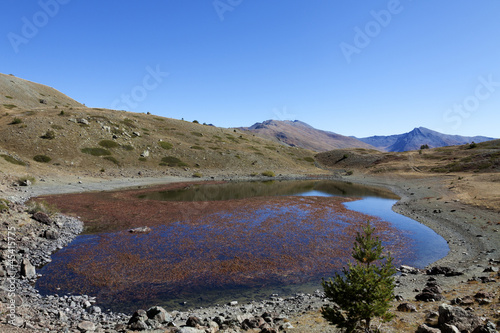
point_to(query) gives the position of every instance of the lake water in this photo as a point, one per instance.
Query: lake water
(214, 243)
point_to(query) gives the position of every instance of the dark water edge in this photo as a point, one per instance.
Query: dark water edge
(428, 246)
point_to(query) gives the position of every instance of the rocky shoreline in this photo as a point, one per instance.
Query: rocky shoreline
(33, 239)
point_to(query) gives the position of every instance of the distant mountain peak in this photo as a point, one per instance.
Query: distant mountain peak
(296, 133)
(417, 137)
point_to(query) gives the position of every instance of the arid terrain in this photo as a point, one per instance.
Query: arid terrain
(56, 147)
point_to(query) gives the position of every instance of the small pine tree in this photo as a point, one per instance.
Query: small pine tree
(364, 290)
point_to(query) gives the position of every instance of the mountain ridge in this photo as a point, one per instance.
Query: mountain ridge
(296, 133)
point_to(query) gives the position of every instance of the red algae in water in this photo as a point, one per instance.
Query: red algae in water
(249, 242)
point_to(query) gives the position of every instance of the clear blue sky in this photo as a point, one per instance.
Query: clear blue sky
(353, 67)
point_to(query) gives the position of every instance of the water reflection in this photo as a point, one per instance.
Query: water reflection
(242, 190)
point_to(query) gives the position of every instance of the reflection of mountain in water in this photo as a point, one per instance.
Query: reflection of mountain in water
(242, 190)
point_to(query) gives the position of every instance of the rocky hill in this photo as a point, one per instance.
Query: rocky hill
(299, 134)
(414, 139)
(42, 131)
(19, 94)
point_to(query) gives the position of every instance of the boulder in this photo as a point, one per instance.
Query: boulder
(406, 307)
(193, 322)
(159, 314)
(457, 316)
(27, 269)
(51, 234)
(42, 218)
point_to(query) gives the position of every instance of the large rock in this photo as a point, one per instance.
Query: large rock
(42, 218)
(27, 269)
(456, 316)
(159, 314)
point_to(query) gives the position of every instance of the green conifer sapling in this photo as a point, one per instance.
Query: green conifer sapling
(365, 289)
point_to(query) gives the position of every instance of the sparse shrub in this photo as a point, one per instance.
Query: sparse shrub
(49, 135)
(9, 97)
(16, 121)
(143, 159)
(197, 134)
(197, 175)
(108, 144)
(309, 159)
(129, 122)
(96, 151)
(166, 145)
(9, 106)
(253, 174)
(41, 206)
(57, 127)
(172, 161)
(103, 170)
(364, 290)
(426, 146)
(4, 204)
(112, 159)
(12, 160)
(61, 113)
(349, 173)
(127, 147)
(472, 145)
(197, 147)
(268, 174)
(42, 158)
(196, 121)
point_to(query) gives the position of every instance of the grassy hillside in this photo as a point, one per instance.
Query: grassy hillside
(107, 142)
(483, 157)
(18, 94)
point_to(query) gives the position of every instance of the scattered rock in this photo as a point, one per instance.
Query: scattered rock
(406, 307)
(446, 271)
(140, 230)
(86, 326)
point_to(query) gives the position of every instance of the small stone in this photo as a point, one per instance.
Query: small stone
(86, 326)
(406, 307)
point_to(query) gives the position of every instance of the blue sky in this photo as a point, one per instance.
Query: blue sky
(353, 67)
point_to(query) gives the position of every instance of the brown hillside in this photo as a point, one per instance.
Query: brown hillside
(108, 142)
(18, 94)
(299, 134)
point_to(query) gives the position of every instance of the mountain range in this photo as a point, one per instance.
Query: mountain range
(17, 94)
(299, 134)
(414, 139)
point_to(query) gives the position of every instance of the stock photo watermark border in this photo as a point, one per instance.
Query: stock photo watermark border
(31, 26)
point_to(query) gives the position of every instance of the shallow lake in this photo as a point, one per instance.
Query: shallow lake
(214, 243)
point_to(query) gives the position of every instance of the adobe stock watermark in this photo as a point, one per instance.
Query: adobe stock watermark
(151, 81)
(31, 26)
(11, 274)
(223, 6)
(283, 114)
(363, 36)
(460, 111)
